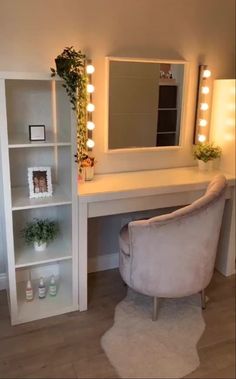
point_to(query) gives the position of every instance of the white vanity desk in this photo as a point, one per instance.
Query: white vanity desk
(111, 194)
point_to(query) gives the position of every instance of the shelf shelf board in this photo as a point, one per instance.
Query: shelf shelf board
(26, 256)
(21, 200)
(22, 141)
(42, 308)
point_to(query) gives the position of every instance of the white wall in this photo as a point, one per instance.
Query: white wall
(33, 33)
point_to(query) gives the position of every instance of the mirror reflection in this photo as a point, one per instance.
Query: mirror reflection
(145, 100)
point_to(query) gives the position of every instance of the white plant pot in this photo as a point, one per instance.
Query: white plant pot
(40, 246)
(205, 166)
(89, 173)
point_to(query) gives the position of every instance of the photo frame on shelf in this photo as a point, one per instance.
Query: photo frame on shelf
(40, 182)
(37, 133)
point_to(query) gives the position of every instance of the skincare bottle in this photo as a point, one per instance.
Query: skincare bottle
(42, 289)
(29, 294)
(52, 286)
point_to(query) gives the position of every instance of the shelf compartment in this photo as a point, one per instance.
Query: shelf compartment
(21, 200)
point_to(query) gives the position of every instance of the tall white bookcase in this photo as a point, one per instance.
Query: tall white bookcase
(28, 99)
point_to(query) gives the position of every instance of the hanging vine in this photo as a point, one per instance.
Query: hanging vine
(70, 66)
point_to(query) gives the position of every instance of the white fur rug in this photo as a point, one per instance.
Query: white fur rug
(139, 348)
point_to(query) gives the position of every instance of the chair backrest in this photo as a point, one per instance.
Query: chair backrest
(174, 254)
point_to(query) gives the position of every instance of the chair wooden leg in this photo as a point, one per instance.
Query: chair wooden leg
(203, 299)
(155, 306)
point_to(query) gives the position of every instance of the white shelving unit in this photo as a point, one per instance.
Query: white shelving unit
(28, 99)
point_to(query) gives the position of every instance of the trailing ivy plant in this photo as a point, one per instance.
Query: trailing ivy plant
(70, 66)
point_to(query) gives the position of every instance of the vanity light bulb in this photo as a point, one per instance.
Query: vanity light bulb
(90, 88)
(201, 138)
(90, 107)
(203, 122)
(205, 90)
(206, 73)
(90, 69)
(90, 125)
(90, 143)
(204, 106)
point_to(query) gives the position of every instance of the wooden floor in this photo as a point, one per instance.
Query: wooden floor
(68, 346)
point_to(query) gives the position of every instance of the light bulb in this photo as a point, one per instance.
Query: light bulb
(205, 90)
(206, 73)
(90, 125)
(201, 138)
(204, 106)
(90, 107)
(90, 88)
(90, 69)
(90, 143)
(203, 122)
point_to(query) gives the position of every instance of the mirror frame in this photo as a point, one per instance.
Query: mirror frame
(109, 59)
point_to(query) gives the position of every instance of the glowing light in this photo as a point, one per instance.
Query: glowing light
(90, 107)
(201, 138)
(206, 73)
(205, 90)
(90, 143)
(203, 122)
(90, 125)
(204, 106)
(90, 69)
(90, 88)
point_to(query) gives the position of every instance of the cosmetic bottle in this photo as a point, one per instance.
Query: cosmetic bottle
(29, 294)
(42, 289)
(52, 286)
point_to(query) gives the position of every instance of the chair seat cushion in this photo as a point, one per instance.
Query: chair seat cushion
(124, 240)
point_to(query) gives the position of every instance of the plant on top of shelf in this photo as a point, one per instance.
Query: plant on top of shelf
(40, 232)
(70, 66)
(206, 152)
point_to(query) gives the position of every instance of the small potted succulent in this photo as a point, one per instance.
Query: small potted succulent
(40, 232)
(87, 165)
(206, 153)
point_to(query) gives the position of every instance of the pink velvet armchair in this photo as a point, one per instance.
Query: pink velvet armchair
(173, 255)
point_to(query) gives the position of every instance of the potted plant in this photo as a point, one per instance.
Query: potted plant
(70, 66)
(40, 232)
(206, 153)
(87, 165)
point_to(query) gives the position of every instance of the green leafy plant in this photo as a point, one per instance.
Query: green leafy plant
(206, 152)
(40, 230)
(70, 66)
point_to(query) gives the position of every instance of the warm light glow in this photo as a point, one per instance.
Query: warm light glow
(90, 69)
(201, 138)
(90, 143)
(90, 107)
(206, 73)
(205, 90)
(204, 106)
(90, 88)
(203, 122)
(90, 125)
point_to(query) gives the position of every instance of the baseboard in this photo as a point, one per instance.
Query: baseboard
(3, 281)
(103, 262)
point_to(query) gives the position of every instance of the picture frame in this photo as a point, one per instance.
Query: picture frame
(40, 182)
(37, 133)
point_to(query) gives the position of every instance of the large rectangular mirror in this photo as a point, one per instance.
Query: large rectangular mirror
(145, 103)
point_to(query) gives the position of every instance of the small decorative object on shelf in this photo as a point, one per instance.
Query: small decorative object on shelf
(87, 165)
(40, 232)
(42, 289)
(40, 182)
(37, 133)
(29, 293)
(52, 286)
(206, 153)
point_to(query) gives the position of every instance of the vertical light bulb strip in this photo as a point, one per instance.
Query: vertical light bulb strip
(90, 106)
(202, 117)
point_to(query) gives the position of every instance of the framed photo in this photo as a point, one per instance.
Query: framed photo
(37, 133)
(40, 182)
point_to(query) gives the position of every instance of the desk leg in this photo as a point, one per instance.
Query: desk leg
(225, 262)
(83, 256)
